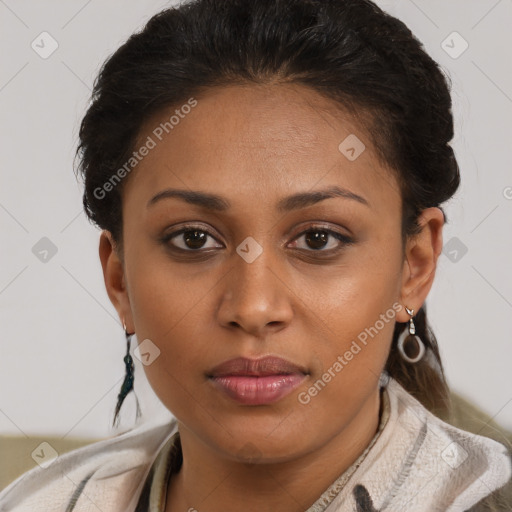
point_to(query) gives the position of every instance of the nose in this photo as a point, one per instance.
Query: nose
(256, 297)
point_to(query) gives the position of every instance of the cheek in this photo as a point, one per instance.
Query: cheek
(354, 293)
(356, 333)
(164, 296)
(169, 303)
(354, 312)
(351, 348)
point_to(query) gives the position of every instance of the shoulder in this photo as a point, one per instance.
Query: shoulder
(109, 472)
(459, 467)
(421, 463)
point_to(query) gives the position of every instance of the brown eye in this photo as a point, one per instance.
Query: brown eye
(317, 239)
(190, 239)
(194, 239)
(322, 240)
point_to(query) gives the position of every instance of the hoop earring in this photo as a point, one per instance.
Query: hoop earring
(129, 378)
(410, 346)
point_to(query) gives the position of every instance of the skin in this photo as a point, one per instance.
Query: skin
(254, 146)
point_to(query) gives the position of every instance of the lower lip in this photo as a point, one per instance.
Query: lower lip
(252, 390)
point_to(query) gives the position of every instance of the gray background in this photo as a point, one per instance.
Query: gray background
(61, 341)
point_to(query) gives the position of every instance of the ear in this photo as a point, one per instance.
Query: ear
(113, 275)
(420, 263)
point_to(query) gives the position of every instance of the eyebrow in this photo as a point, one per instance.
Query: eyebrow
(294, 202)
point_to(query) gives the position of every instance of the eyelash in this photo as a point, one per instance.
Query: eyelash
(343, 239)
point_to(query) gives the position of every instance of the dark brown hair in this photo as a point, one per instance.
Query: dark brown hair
(349, 51)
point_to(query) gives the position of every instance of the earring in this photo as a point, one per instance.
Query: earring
(410, 346)
(127, 385)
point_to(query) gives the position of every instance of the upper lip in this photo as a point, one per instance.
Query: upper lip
(269, 365)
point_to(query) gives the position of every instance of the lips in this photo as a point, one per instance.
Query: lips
(257, 381)
(264, 366)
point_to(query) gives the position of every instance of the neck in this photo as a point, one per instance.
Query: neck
(207, 481)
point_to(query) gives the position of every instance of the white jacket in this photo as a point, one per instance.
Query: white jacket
(417, 463)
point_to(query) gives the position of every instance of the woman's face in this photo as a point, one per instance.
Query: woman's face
(270, 264)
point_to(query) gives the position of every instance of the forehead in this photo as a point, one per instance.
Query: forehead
(260, 141)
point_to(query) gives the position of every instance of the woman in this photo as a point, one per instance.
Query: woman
(268, 176)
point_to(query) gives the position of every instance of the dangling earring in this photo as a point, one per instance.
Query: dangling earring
(127, 385)
(410, 346)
